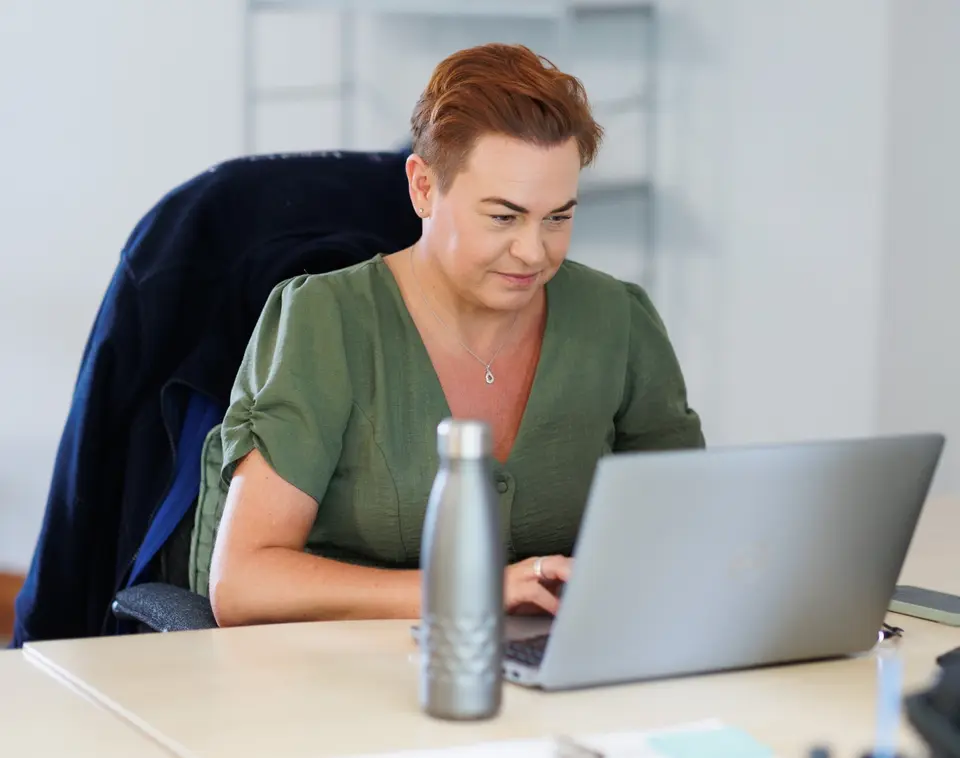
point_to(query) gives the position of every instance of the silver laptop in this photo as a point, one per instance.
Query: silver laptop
(707, 560)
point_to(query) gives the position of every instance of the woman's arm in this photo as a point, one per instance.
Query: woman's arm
(261, 574)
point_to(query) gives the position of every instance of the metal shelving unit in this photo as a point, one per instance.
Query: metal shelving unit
(563, 14)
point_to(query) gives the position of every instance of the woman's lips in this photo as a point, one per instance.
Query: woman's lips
(521, 280)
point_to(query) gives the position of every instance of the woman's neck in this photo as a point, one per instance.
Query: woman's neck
(482, 329)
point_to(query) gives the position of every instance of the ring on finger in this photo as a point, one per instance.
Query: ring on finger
(538, 569)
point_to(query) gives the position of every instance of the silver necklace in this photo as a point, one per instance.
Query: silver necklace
(488, 375)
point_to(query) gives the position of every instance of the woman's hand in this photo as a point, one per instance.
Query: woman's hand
(531, 587)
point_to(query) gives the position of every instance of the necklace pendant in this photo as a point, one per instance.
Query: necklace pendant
(488, 376)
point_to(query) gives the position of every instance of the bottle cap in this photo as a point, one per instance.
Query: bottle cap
(463, 439)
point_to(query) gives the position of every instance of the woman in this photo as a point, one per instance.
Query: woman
(330, 441)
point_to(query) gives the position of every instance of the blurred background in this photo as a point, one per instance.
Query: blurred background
(781, 175)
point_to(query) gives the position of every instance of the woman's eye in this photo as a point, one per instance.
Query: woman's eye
(503, 219)
(558, 219)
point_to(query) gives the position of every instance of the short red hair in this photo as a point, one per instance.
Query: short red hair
(499, 89)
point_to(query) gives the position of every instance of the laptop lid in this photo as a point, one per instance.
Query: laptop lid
(704, 560)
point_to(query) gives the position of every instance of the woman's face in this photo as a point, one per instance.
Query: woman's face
(502, 229)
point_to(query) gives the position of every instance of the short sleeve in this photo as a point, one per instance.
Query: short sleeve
(653, 414)
(292, 396)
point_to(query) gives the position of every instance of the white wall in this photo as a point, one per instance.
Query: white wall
(772, 164)
(920, 357)
(104, 106)
(772, 172)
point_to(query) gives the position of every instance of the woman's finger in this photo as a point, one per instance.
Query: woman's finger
(555, 568)
(540, 596)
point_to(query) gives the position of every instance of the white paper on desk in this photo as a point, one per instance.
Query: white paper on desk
(634, 744)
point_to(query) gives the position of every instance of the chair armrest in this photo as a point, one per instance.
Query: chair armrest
(164, 608)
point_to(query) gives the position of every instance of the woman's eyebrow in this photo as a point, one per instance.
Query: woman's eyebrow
(520, 209)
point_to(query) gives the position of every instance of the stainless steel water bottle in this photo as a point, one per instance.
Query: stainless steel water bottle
(462, 561)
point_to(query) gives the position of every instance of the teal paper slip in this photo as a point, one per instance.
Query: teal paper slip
(723, 742)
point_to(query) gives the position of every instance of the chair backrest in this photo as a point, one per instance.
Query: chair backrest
(283, 215)
(252, 222)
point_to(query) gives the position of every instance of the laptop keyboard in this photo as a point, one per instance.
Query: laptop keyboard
(528, 651)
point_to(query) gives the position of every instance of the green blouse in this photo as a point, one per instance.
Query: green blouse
(338, 393)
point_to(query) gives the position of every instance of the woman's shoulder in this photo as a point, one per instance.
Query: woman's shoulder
(353, 280)
(317, 311)
(593, 282)
(597, 292)
(344, 294)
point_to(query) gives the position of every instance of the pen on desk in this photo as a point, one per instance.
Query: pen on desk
(889, 695)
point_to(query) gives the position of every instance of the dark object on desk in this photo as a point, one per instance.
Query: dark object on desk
(161, 359)
(935, 714)
(887, 631)
(950, 658)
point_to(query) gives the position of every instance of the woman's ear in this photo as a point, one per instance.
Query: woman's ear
(421, 183)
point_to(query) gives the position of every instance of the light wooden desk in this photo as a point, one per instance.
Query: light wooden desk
(346, 688)
(41, 716)
(341, 688)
